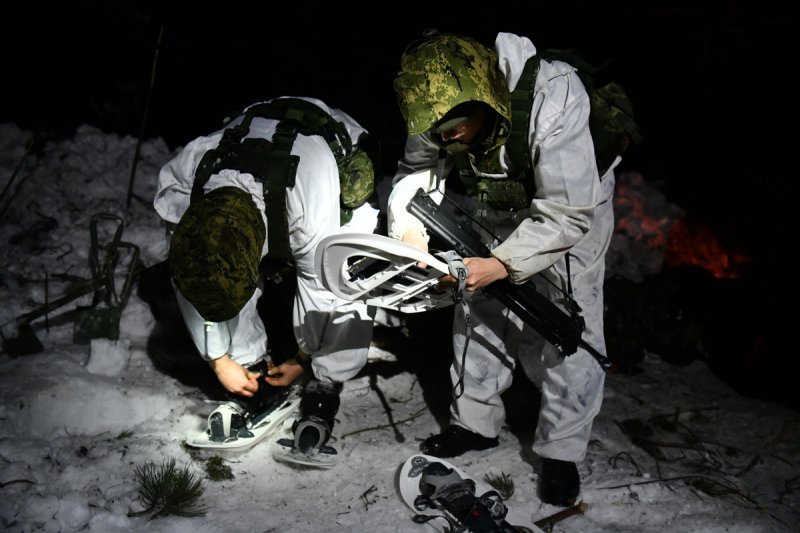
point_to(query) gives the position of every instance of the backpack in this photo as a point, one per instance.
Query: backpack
(610, 121)
(272, 163)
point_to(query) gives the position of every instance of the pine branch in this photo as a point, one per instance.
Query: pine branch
(166, 490)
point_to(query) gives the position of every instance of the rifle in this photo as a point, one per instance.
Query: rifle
(562, 330)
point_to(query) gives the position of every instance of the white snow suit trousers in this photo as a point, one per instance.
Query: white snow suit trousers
(571, 387)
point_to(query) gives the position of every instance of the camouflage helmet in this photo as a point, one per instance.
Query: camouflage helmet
(444, 71)
(215, 253)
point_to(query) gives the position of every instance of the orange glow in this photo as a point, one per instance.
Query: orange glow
(694, 245)
(650, 231)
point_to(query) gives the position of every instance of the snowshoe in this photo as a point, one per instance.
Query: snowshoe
(232, 426)
(382, 272)
(446, 499)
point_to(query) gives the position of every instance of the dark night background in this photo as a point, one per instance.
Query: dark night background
(709, 83)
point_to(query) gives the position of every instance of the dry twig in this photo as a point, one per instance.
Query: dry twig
(383, 426)
(548, 522)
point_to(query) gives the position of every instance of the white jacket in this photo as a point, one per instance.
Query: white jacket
(313, 213)
(567, 189)
(571, 212)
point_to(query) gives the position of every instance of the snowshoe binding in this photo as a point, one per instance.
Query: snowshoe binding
(228, 422)
(238, 424)
(444, 489)
(446, 499)
(312, 431)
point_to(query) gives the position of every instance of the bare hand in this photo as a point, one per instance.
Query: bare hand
(415, 238)
(481, 271)
(283, 374)
(234, 377)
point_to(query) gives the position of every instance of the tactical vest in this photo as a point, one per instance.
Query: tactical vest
(272, 164)
(610, 122)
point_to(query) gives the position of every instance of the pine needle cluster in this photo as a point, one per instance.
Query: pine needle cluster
(503, 483)
(168, 490)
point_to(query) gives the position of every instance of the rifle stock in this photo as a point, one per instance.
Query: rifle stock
(559, 328)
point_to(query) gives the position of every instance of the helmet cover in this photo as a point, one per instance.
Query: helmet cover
(215, 252)
(443, 72)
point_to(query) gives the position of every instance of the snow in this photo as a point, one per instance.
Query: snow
(76, 420)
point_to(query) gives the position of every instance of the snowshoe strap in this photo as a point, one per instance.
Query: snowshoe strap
(440, 482)
(459, 271)
(322, 430)
(493, 503)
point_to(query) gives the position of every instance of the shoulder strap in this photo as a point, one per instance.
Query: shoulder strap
(308, 119)
(521, 102)
(517, 142)
(296, 116)
(233, 152)
(271, 162)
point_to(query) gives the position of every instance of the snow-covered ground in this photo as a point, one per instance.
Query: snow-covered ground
(674, 449)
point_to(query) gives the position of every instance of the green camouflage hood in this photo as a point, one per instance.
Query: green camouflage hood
(215, 252)
(356, 179)
(443, 72)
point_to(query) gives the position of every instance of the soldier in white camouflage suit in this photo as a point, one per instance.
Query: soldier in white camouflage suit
(222, 231)
(454, 94)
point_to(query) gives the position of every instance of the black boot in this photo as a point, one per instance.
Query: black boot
(318, 409)
(456, 440)
(559, 483)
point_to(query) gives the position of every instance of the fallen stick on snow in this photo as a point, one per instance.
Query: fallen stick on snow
(548, 522)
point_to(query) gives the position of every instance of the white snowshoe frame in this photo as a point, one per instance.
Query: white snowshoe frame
(383, 272)
(261, 426)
